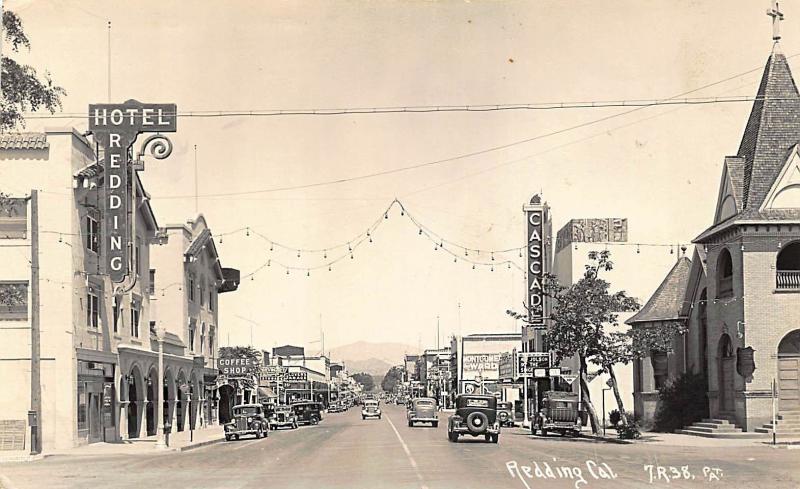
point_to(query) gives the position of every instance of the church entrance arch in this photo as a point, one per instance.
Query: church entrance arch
(135, 401)
(726, 365)
(789, 372)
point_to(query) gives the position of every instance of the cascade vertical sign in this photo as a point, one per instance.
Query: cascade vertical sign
(115, 128)
(535, 216)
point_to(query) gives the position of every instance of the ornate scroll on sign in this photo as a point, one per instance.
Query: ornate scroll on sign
(610, 230)
(115, 128)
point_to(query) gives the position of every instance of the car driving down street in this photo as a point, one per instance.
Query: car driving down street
(475, 415)
(370, 410)
(423, 410)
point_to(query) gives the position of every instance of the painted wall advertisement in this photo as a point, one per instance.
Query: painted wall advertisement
(485, 364)
(235, 367)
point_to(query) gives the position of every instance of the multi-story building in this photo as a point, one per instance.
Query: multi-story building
(86, 323)
(185, 280)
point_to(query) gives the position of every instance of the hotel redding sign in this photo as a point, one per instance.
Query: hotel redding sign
(115, 128)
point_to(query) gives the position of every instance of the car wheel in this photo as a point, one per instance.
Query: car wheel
(314, 420)
(410, 423)
(544, 432)
(452, 436)
(477, 422)
(294, 425)
(363, 417)
(435, 424)
(236, 437)
(487, 437)
(495, 438)
(227, 437)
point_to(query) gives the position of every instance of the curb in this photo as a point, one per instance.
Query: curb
(198, 445)
(607, 439)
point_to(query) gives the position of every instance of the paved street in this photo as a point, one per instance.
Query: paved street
(346, 452)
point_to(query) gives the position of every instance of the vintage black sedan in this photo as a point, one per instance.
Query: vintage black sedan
(282, 416)
(248, 419)
(423, 410)
(475, 415)
(307, 412)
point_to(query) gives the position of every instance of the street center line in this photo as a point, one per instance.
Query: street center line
(408, 454)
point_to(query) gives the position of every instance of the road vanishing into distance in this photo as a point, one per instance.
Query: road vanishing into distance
(346, 452)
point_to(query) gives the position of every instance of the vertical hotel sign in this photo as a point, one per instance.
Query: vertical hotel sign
(535, 217)
(115, 128)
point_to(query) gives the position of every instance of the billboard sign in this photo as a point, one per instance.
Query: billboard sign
(296, 376)
(115, 128)
(505, 367)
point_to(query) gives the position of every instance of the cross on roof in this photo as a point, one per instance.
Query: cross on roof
(777, 17)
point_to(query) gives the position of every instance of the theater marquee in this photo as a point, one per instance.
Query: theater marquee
(115, 128)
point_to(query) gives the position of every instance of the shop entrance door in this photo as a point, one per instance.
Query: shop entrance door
(95, 418)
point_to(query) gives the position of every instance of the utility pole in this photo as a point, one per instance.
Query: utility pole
(437, 332)
(36, 381)
(109, 61)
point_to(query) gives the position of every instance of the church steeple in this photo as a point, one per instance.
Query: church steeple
(773, 127)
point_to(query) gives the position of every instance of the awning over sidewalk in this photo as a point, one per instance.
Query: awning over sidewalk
(266, 392)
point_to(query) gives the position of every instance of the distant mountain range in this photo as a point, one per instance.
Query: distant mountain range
(373, 358)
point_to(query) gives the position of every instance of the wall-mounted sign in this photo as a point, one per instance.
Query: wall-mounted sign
(611, 230)
(295, 376)
(505, 367)
(535, 216)
(115, 128)
(527, 362)
(483, 364)
(235, 367)
(540, 373)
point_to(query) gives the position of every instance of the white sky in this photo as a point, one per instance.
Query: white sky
(659, 167)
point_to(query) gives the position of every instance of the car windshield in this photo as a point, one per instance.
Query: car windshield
(424, 403)
(504, 405)
(371, 404)
(246, 411)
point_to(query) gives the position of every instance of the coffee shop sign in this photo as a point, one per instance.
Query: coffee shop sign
(235, 367)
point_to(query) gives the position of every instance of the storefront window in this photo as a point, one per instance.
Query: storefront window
(82, 407)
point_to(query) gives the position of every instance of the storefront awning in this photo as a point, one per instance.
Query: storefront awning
(266, 392)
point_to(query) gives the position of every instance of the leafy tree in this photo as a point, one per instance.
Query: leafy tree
(365, 380)
(581, 315)
(22, 88)
(393, 377)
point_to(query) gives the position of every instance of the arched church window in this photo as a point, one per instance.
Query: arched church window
(725, 347)
(790, 344)
(724, 274)
(787, 275)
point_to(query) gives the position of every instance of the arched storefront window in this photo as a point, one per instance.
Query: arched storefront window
(787, 274)
(724, 274)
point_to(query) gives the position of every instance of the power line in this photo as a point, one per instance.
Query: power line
(596, 104)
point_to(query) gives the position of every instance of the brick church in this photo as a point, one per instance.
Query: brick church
(739, 295)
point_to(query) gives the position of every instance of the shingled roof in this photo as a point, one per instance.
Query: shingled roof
(771, 131)
(24, 140)
(667, 301)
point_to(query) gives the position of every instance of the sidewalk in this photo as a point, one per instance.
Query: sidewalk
(178, 442)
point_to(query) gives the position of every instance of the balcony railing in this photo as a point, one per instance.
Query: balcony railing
(787, 279)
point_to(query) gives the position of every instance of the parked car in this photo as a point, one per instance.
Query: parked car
(282, 415)
(505, 413)
(248, 419)
(558, 412)
(475, 415)
(370, 410)
(308, 412)
(337, 407)
(423, 410)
